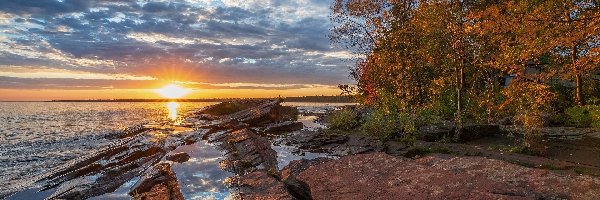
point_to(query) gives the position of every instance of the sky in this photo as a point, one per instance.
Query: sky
(110, 49)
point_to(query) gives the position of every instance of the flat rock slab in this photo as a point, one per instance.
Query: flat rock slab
(382, 176)
(159, 182)
(260, 185)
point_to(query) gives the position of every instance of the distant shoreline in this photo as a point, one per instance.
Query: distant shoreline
(313, 99)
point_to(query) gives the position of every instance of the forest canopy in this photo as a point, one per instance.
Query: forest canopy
(531, 61)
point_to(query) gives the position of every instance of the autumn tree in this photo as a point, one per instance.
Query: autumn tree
(451, 56)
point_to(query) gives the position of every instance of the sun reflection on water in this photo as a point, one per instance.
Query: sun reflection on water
(172, 107)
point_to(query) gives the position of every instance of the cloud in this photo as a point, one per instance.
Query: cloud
(117, 83)
(216, 42)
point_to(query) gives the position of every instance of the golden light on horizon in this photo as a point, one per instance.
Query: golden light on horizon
(172, 91)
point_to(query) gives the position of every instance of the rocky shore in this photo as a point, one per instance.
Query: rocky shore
(355, 166)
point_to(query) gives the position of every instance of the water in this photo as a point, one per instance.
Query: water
(35, 136)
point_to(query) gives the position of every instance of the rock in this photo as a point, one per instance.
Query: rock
(105, 171)
(255, 115)
(284, 126)
(289, 173)
(396, 148)
(301, 137)
(334, 144)
(230, 107)
(159, 183)
(323, 141)
(284, 113)
(106, 179)
(141, 147)
(178, 157)
(260, 185)
(246, 151)
(434, 133)
(381, 176)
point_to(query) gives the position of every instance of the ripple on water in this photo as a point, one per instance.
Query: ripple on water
(36, 136)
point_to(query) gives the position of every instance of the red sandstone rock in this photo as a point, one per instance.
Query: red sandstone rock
(260, 185)
(381, 176)
(159, 182)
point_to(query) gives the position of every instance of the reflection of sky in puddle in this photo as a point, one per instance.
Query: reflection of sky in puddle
(285, 153)
(201, 177)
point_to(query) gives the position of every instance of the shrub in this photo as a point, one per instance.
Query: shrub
(345, 119)
(426, 117)
(584, 116)
(529, 102)
(382, 124)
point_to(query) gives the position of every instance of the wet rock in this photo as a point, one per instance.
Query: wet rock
(105, 181)
(246, 151)
(128, 132)
(284, 113)
(289, 173)
(256, 115)
(261, 185)
(159, 182)
(141, 147)
(284, 127)
(178, 157)
(301, 137)
(381, 176)
(227, 108)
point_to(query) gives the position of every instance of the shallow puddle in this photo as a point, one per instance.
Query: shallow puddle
(200, 177)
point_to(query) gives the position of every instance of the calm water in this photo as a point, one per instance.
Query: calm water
(35, 136)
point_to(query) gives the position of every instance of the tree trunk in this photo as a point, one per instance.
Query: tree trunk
(460, 79)
(459, 104)
(578, 80)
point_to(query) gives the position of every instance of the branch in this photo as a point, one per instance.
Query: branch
(564, 21)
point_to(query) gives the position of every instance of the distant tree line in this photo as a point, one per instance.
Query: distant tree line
(328, 99)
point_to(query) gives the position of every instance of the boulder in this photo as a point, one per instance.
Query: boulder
(382, 176)
(289, 173)
(178, 157)
(261, 185)
(245, 151)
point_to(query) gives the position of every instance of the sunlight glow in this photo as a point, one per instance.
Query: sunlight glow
(172, 91)
(172, 107)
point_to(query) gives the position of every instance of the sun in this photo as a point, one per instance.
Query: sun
(172, 91)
